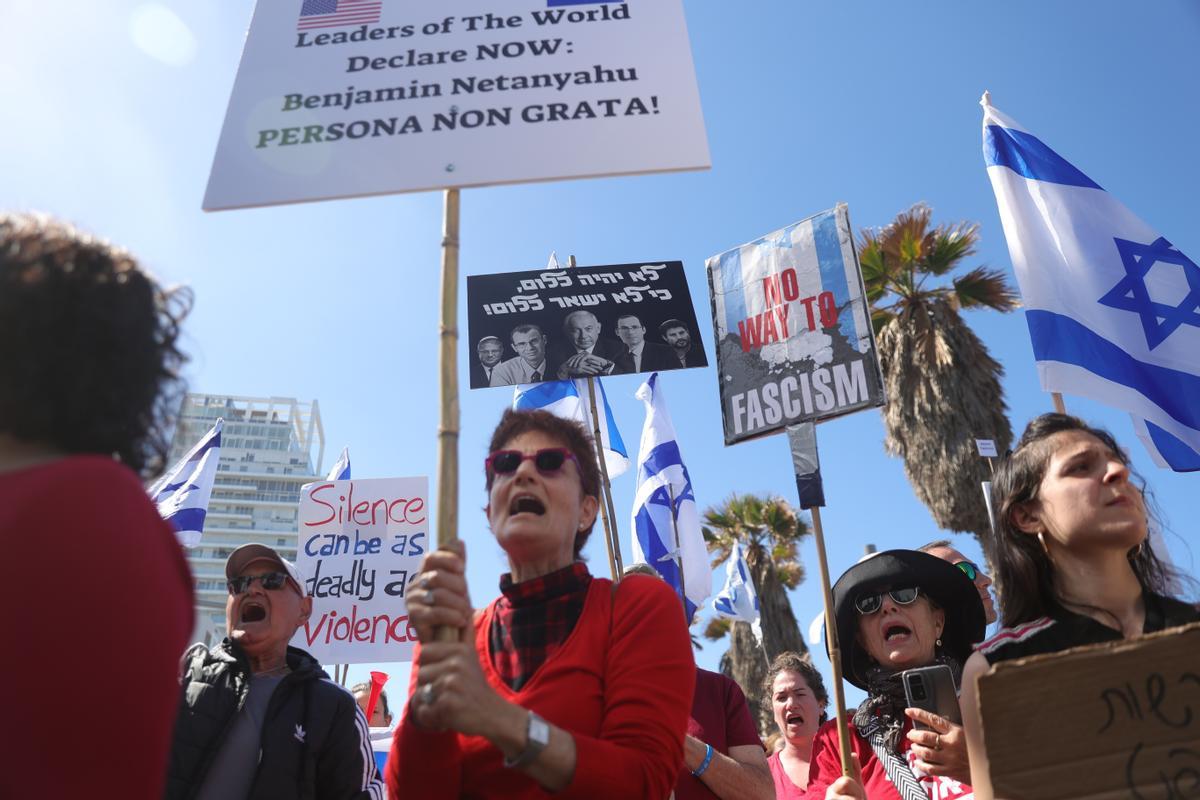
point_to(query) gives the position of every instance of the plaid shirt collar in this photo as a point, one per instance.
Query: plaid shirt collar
(533, 618)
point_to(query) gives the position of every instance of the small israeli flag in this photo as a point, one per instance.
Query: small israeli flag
(662, 478)
(737, 599)
(569, 400)
(182, 494)
(1113, 307)
(341, 467)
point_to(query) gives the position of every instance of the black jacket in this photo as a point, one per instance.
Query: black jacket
(315, 743)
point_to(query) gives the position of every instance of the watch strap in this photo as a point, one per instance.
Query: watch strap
(537, 736)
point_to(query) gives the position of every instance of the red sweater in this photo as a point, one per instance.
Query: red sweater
(621, 685)
(98, 609)
(826, 767)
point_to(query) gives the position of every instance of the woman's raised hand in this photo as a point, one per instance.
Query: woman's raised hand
(438, 594)
(848, 788)
(941, 750)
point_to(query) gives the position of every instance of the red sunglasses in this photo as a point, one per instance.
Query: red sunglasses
(548, 461)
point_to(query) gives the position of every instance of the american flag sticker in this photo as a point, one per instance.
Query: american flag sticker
(338, 13)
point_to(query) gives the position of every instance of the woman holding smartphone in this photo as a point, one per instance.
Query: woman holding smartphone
(1072, 557)
(895, 611)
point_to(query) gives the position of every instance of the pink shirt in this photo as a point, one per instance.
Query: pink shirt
(784, 788)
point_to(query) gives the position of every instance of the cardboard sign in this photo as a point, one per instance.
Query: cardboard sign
(361, 542)
(793, 330)
(545, 325)
(343, 98)
(1118, 720)
(986, 448)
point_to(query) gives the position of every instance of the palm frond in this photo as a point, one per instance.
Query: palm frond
(985, 288)
(947, 246)
(717, 628)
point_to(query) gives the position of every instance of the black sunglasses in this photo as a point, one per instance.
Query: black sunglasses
(271, 580)
(870, 603)
(968, 569)
(548, 461)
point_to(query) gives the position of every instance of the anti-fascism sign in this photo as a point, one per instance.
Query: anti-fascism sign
(529, 327)
(342, 98)
(361, 542)
(793, 331)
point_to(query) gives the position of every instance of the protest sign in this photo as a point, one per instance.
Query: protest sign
(344, 98)
(360, 544)
(986, 448)
(792, 328)
(1121, 719)
(544, 325)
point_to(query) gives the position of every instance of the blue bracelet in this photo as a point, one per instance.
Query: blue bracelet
(698, 771)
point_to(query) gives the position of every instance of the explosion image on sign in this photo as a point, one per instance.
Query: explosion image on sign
(793, 330)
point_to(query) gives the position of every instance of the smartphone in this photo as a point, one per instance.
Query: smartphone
(932, 688)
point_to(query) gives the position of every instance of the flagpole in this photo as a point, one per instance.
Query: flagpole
(614, 560)
(678, 548)
(607, 512)
(448, 425)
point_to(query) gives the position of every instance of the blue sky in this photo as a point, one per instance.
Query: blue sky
(111, 115)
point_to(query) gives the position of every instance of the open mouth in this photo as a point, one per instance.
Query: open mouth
(795, 719)
(894, 631)
(526, 505)
(253, 611)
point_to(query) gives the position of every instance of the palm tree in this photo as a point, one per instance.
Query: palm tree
(769, 530)
(943, 387)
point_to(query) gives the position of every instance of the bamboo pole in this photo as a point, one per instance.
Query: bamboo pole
(448, 425)
(835, 650)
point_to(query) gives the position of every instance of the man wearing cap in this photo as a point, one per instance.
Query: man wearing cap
(260, 719)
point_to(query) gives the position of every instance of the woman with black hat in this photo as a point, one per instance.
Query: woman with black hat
(895, 611)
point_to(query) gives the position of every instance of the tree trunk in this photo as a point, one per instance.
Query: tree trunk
(746, 664)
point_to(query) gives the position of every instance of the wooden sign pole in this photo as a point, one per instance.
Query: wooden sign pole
(448, 425)
(807, 466)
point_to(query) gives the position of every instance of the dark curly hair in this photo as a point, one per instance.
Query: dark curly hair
(88, 357)
(791, 661)
(567, 432)
(1025, 574)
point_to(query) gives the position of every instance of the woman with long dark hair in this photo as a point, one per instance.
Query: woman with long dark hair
(98, 593)
(1073, 560)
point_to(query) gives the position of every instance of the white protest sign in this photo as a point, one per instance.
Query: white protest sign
(360, 543)
(986, 448)
(343, 98)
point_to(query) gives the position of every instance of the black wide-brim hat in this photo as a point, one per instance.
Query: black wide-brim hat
(939, 580)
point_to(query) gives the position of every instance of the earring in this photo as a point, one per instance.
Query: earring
(938, 642)
(1042, 540)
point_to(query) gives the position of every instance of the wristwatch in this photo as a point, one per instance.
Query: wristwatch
(537, 736)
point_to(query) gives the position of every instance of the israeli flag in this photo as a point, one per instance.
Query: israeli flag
(182, 494)
(737, 599)
(341, 467)
(570, 400)
(657, 522)
(1113, 307)
(1165, 450)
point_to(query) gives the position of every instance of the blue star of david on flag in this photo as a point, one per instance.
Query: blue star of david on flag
(667, 535)
(1113, 307)
(1159, 320)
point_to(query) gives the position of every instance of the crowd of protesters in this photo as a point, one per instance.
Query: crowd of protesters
(567, 683)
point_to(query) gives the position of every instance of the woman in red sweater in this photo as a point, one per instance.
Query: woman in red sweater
(88, 378)
(565, 683)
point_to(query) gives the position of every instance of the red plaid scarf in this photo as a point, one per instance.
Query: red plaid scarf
(533, 618)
